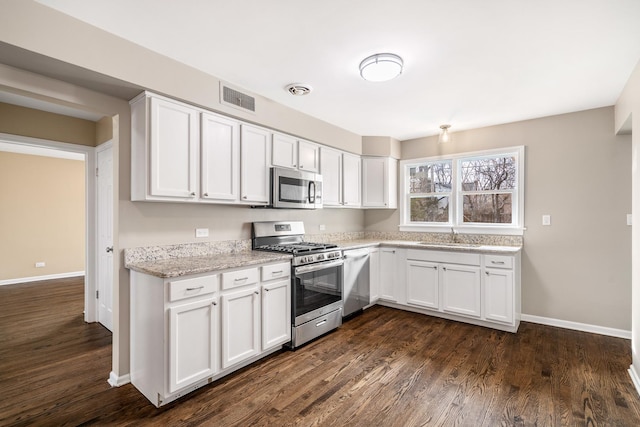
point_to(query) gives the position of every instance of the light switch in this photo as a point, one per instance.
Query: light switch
(40, 264)
(202, 232)
(629, 219)
(546, 219)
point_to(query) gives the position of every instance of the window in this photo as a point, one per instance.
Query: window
(470, 191)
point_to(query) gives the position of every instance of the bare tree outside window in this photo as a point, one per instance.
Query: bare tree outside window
(487, 188)
(430, 191)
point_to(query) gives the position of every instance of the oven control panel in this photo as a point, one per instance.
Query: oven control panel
(317, 257)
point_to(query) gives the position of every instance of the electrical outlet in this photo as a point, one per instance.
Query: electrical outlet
(202, 232)
(546, 219)
(40, 264)
(629, 219)
(322, 227)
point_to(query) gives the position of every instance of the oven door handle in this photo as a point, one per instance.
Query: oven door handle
(318, 266)
(312, 192)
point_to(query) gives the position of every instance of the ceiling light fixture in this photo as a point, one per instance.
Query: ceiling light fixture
(299, 89)
(444, 134)
(381, 67)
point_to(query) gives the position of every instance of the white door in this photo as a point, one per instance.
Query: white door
(276, 313)
(105, 236)
(240, 326)
(220, 158)
(331, 167)
(351, 180)
(387, 284)
(498, 295)
(374, 182)
(254, 164)
(422, 284)
(461, 289)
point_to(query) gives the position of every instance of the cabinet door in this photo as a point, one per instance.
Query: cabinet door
(240, 325)
(284, 151)
(375, 191)
(461, 289)
(422, 284)
(498, 295)
(351, 180)
(254, 165)
(173, 150)
(220, 158)
(331, 171)
(308, 156)
(388, 289)
(276, 313)
(374, 275)
(193, 343)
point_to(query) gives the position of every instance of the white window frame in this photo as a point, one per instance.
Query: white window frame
(455, 203)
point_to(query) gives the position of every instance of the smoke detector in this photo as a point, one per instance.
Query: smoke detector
(299, 89)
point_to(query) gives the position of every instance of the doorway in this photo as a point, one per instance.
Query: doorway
(90, 210)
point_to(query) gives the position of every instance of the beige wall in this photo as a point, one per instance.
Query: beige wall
(24, 121)
(42, 215)
(579, 268)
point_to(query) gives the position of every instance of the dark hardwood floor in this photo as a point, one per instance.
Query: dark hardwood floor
(383, 368)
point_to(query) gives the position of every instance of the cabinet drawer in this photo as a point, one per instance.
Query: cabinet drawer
(234, 279)
(189, 288)
(498, 261)
(444, 257)
(276, 271)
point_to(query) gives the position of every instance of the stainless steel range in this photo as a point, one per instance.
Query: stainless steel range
(316, 274)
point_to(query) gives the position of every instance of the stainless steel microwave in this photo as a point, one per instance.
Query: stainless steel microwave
(292, 189)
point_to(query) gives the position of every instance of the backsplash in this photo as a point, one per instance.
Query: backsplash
(476, 239)
(155, 253)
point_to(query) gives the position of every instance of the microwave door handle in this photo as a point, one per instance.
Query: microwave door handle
(312, 192)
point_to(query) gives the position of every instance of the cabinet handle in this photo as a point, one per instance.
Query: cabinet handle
(444, 268)
(301, 166)
(497, 262)
(109, 249)
(195, 289)
(206, 194)
(295, 166)
(257, 293)
(244, 197)
(240, 279)
(435, 267)
(487, 273)
(265, 289)
(277, 272)
(214, 303)
(193, 194)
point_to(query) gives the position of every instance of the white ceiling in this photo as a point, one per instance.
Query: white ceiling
(469, 63)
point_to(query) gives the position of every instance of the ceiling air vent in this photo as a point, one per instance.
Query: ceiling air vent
(234, 98)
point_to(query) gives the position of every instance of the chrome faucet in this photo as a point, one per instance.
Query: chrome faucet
(454, 236)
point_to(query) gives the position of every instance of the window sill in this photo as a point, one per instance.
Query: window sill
(464, 229)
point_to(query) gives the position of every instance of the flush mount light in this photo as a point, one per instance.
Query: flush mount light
(299, 89)
(381, 67)
(444, 134)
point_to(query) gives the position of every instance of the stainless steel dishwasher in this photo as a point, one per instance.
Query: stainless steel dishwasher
(355, 294)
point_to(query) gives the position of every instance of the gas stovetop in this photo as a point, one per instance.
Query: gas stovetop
(288, 237)
(298, 248)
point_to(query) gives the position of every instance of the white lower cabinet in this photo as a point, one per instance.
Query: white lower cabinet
(276, 313)
(465, 286)
(461, 289)
(423, 284)
(189, 331)
(240, 325)
(374, 275)
(193, 342)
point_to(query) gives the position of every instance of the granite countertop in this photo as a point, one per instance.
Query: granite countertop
(176, 267)
(452, 247)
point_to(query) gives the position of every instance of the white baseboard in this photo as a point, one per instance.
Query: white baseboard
(634, 377)
(585, 327)
(39, 278)
(116, 381)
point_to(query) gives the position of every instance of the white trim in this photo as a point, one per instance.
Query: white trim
(115, 381)
(584, 327)
(635, 378)
(39, 278)
(506, 231)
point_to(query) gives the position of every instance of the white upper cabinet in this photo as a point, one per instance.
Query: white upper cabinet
(220, 158)
(351, 179)
(308, 156)
(284, 151)
(164, 150)
(331, 170)
(379, 182)
(254, 164)
(289, 152)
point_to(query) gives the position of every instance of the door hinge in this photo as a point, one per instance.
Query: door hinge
(97, 294)
(96, 172)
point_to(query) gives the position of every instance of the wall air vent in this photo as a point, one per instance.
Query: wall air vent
(234, 98)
